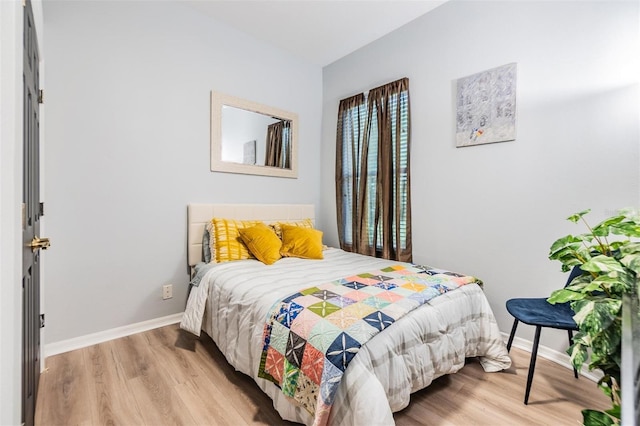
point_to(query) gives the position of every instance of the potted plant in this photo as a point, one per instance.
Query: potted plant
(609, 255)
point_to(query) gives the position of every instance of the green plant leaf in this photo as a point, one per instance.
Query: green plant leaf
(628, 247)
(583, 309)
(567, 244)
(616, 411)
(600, 283)
(579, 281)
(578, 353)
(571, 251)
(604, 383)
(602, 360)
(596, 418)
(581, 338)
(611, 221)
(628, 229)
(602, 263)
(576, 217)
(565, 295)
(632, 261)
(615, 246)
(605, 346)
(604, 228)
(613, 285)
(596, 314)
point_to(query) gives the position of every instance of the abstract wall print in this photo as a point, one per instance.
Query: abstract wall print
(486, 107)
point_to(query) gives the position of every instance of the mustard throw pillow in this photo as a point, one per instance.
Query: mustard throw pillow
(228, 245)
(262, 242)
(301, 242)
(304, 223)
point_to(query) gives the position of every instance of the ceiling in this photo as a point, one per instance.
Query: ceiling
(318, 31)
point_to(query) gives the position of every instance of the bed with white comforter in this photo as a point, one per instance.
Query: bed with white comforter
(233, 300)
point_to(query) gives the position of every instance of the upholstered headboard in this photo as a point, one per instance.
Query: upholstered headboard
(199, 214)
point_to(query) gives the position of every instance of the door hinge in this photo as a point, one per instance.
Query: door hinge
(24, 3)
(24, 216)
(41, 96)
(41, 209)
(41, 320)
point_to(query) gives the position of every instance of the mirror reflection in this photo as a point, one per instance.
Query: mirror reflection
(251, 138)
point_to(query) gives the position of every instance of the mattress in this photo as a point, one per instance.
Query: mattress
(233, 300)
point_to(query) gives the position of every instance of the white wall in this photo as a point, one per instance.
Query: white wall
(128, 117)
(494, 210)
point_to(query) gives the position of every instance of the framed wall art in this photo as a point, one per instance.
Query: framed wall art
(486, 107)
(249, 152)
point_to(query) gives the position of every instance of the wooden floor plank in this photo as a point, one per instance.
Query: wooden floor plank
(150, 382)
(65, 397)
(167, 376)
(161, 403)
(241, 391)
(207, 404)
(177, 362)
(110, 388)
(133, 354)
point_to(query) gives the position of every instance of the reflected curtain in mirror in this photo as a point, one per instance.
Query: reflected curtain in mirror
(278, 146)
(372, 172)
(252, 138)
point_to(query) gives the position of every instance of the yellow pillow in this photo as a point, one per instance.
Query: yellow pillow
(277, 227)
(262, 242)
(301, 242)
(228, 245)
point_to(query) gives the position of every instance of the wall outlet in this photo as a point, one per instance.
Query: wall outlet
(167, 291)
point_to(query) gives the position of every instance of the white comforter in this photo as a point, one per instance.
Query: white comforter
(429, 342)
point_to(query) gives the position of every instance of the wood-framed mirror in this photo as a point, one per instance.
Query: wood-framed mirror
(252, 138)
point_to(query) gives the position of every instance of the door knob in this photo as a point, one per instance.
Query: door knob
(39, 243)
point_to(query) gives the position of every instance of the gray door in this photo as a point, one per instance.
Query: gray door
(30, 222)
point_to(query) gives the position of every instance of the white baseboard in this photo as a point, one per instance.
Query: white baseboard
(104, 336)
(552, 355)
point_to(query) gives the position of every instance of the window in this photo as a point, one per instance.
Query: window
(372, 172)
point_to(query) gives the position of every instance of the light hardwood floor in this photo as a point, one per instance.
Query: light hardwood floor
(167, 376)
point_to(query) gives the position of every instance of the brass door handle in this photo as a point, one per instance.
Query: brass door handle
(40, 243)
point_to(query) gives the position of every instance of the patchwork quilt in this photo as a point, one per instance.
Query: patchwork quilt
(311, 336)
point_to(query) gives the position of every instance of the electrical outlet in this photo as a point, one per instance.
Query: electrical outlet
(167, 291)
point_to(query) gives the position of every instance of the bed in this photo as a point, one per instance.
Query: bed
(233, 300)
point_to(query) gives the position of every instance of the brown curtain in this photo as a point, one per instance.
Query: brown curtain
(277, 153)
(372, 173)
